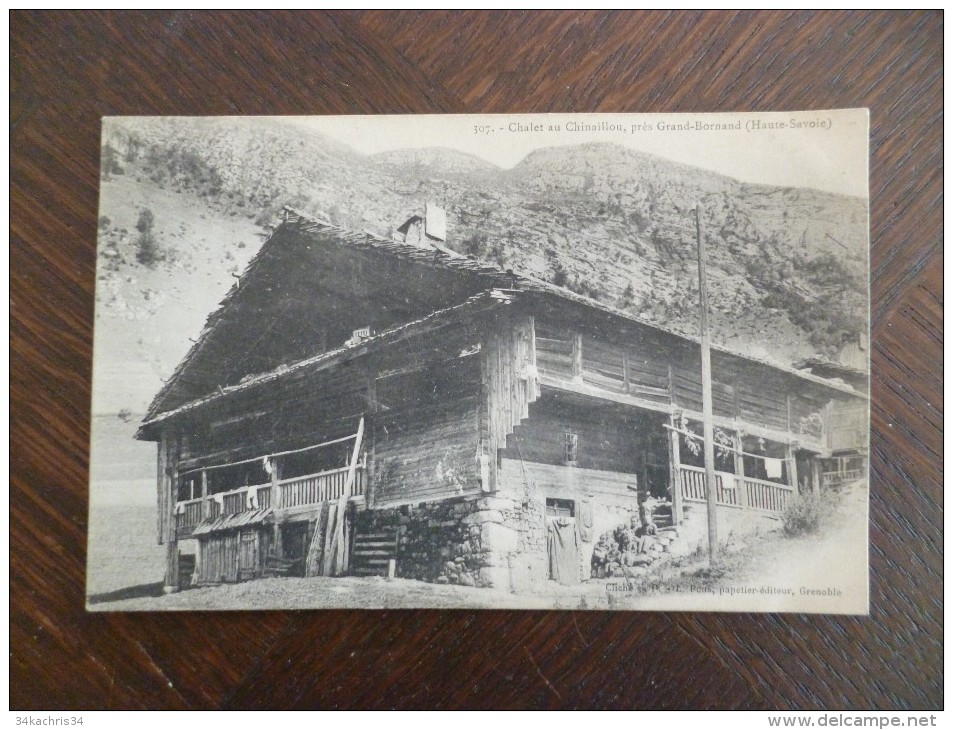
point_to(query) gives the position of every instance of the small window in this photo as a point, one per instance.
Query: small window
(572, 447)
(560, 508)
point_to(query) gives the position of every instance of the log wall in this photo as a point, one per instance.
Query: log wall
(509, 385)
(660, 372)
(607, 438)
(426, 436)
(284, 415)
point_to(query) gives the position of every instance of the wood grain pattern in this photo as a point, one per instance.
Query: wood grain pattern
(69, 69)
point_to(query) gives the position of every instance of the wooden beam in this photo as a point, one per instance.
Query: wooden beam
(372, 409)
(554, 382)
(675, 475)
(740, 469)
(205, 508)
(275, 478)
(626, 382)
(708, 425)
(169, 442)
(162, 494)
(576, 356)
(792, 466)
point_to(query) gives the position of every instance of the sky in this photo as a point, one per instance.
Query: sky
(824, 150)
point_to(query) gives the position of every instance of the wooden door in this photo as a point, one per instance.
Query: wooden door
(230, 556)
(247, 554)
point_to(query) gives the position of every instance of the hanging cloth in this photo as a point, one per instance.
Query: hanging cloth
(563, 551)
(585, 521)
(773, 468)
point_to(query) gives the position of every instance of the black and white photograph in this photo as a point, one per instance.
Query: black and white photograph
(553, 361)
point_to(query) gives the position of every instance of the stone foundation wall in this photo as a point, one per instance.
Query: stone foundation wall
(529, 563)
(501, 541)
(529, 485)
(457, 541)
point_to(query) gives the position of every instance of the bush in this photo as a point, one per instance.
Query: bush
(146, 221)
(802, 515)
(147, 250)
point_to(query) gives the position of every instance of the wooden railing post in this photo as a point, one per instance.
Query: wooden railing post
(275, 492)
(205, 507)
(675, 468)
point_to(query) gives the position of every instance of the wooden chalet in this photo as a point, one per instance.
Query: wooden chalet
(361, 405)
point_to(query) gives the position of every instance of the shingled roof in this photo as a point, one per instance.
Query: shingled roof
(480, 277)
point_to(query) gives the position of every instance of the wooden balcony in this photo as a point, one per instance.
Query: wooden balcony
(187, 515)
(836, 478)
(296, 494)
(758, 494)
(324, 486)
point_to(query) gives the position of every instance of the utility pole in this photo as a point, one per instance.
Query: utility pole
(711, 496)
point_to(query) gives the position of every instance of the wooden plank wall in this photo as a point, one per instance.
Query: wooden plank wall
(636, 368)
(667, 371)
(509, 386)
(281, 415)
(608, 439)
(230, 556)
(426, 436)
(554, 349)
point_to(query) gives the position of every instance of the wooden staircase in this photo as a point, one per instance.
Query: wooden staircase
(372, 552)
(662, 516)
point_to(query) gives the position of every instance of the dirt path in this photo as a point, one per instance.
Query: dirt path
(825, 572)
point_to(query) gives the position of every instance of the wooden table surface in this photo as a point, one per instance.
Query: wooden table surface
(69, 69)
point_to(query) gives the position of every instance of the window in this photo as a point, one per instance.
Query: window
(560, 508)
(572, 447)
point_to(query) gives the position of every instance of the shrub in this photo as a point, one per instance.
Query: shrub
(147, 249)
(802, 515)
(146, 221)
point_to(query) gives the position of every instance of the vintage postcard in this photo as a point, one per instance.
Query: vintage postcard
(558, 361)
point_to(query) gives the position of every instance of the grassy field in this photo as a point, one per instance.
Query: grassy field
(123, 552)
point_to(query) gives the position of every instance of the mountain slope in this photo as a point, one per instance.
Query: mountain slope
(787, 267)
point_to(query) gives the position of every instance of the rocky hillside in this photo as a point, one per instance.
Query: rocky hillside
(186, 202)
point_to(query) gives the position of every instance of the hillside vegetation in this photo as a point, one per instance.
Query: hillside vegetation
(186, 203)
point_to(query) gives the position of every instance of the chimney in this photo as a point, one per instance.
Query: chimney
(428, 230)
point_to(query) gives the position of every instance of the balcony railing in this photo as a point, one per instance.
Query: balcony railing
(316, 488)
(188, 516)
(759, 494)
(768, 496)
(693, 486)
(300, 491)
(835, 478)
